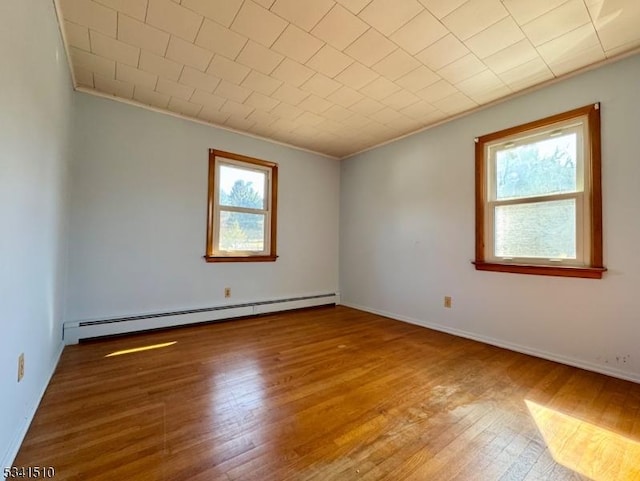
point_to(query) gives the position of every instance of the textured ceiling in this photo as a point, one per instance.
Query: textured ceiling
(335, 77)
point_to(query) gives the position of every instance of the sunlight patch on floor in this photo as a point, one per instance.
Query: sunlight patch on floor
(140, 349)
(590, 450)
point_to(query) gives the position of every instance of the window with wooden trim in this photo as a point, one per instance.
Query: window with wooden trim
(539, 197)
(242, 210)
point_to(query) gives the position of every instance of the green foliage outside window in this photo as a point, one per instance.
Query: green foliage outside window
(242, 231)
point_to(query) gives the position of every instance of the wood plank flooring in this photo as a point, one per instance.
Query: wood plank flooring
(328, 394)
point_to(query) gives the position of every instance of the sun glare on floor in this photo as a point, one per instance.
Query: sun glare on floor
(595, 452)
(140, 349)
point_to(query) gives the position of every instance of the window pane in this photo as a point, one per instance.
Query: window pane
(242, 232)
(544, 167)
(543, 229)
(241, 187)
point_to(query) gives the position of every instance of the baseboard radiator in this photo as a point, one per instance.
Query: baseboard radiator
(78, 330)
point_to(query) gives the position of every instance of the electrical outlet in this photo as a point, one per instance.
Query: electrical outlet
(20, 367)
(447, 301)
(227, 292)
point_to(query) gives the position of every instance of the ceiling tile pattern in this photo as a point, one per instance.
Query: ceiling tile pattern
(335, 76)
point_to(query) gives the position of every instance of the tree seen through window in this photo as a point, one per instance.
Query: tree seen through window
(240, 230)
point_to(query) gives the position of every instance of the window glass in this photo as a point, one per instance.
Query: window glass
(241, 231)
(544, 230)
(241, 187)
(545, 166)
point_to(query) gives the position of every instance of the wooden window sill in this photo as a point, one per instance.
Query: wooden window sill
(561, 271)
(240, 258)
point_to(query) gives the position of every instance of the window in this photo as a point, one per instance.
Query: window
(539, 199)
(241, 221)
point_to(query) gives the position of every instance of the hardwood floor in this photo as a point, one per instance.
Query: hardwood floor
(328, 394)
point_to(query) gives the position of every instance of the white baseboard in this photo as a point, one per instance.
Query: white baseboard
(569, 361)
(14, 446)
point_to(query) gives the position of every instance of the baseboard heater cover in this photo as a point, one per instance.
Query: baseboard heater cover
(77, 330)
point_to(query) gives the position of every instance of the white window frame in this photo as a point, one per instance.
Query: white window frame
(585, 121)
(214, 253)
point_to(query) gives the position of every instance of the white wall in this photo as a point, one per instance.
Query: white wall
(407, 234)
(138, 216)
(35, 107)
